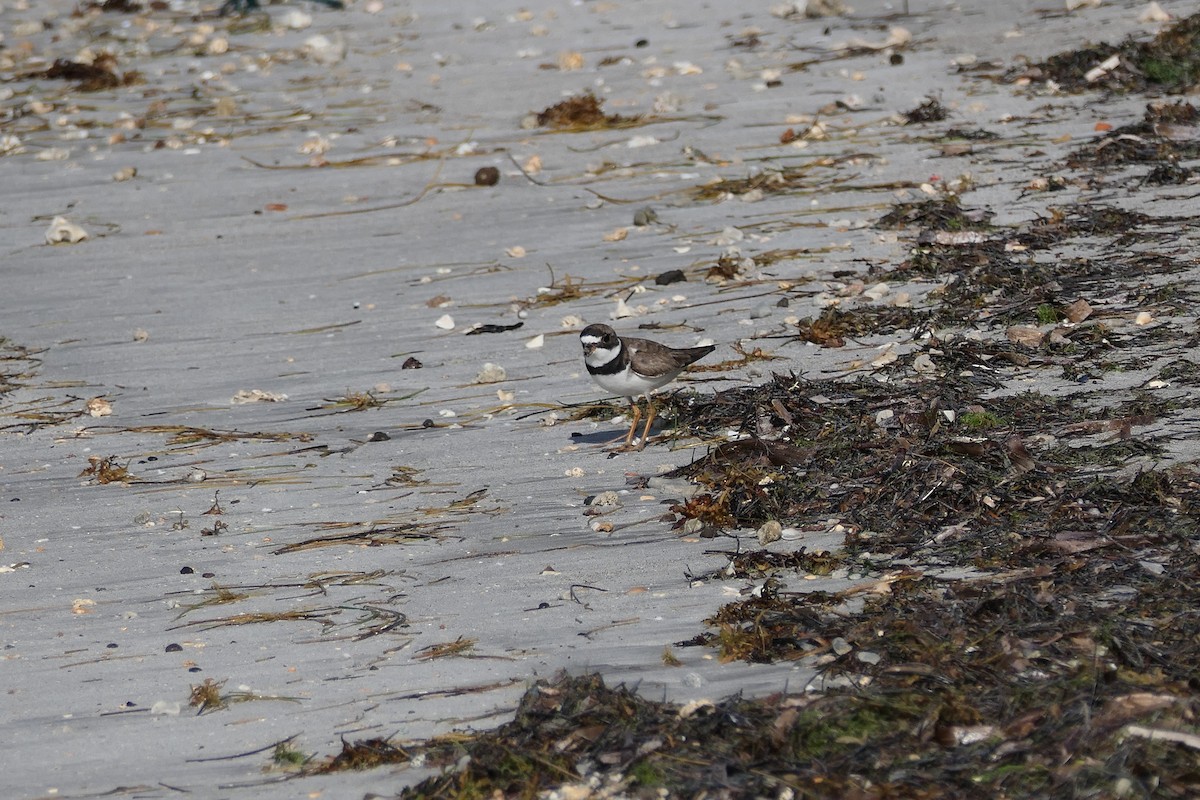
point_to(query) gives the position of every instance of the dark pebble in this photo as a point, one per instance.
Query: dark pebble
(487, 176)
(669, 277)
(186, 571)
(428, 424)
(411, 363)
(174, 647)
(112, 645)
(379, 436)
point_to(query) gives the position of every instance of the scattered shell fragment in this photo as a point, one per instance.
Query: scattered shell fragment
(536, 342)
(323, 50)
(516, 251)
(958, 238)
(1025, 335)
(83, 606)
(1153, 13)
(125, 174)
(1143, 318)
(491, 373)
(622, 310)
(609, 498)
(897, 37)
(99, 407)
(314, 145)
(601, 526)
(63, 231)
(886, 356)
(574, 472)
(10, 145)
(296, 20)
(570, 61)
(616, 235)
(445, 322)
(924, 365)
(1103, 68)
(1078, 311)
(244, 396)
(771, 531)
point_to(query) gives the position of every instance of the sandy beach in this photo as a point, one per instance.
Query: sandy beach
(300, 415)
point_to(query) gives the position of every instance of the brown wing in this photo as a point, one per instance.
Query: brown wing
(658, 358)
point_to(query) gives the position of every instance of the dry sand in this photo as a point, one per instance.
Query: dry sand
(230, 262)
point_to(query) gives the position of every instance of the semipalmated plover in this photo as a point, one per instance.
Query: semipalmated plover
(632, 368)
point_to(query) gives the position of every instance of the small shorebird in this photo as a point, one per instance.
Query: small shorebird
(630, 367)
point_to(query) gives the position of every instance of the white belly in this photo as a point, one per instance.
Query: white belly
(629, 384)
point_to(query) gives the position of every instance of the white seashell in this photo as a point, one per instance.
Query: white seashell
(445, 322)
(771, 531)
(536, 342)
(323, 50)
(63, 231)
(296, 20)
(99, 407)
(245, 396)
(1153, 13)
(491, 373)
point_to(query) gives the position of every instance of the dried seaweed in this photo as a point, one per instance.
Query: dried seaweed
(1162, 138)
(582, 112)
(375, 536)
(1170, 61)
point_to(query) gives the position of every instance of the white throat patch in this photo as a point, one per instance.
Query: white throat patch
(601, 355)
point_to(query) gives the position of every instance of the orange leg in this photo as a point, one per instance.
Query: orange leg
(650, 412)
(637, 414)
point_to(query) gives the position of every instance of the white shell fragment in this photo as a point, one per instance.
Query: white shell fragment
(1153, 13)
(771, 531)
(323, 50)
(296, 20)
(536, 342)
(244, 396)
(491, 373)
(445, 322)
(99, 407)
(63, 231)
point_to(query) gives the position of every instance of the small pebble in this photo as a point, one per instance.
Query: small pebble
(645, 216)
(487, 176)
